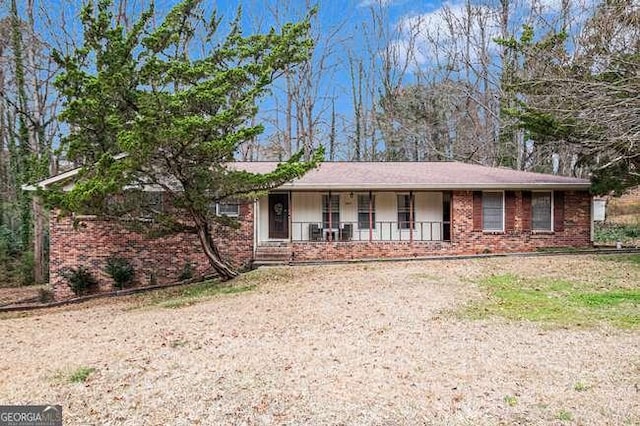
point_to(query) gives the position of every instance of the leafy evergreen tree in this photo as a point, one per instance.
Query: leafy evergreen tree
(587, 100)
(144, 110)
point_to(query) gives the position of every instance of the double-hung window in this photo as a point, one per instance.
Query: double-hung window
(541, 211)
(493, 211)
(334, 208)
(406, 212)
(363, 212)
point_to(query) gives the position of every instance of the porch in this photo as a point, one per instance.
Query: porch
(353, 216)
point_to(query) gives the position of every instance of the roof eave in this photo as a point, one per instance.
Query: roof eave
(43, 184)
(293, 186)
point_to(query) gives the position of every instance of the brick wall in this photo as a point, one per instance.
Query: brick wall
(464, 239)
(90, 241)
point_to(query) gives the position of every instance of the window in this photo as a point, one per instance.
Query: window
(335, 211)
(493, 211)
(541, 211)
(363, 211)
(405, 212)
(228, 209)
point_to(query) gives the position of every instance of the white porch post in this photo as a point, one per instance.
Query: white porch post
(330, 218)
(411, 216)
(290, 217)
(370, 216)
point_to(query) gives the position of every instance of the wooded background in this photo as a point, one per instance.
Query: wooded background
(546, 86)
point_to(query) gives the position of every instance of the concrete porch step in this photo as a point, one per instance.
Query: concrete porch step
(273, 254)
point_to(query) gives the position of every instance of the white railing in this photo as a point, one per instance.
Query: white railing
(381, 231)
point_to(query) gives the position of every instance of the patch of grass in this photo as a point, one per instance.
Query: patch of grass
(564, 415)
(557, 301)
(510, 400)
(581, 387)
(81, 374)
(195, 293)
(189, 294)
(178, 343)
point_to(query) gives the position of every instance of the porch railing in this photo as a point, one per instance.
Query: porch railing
(381, 231)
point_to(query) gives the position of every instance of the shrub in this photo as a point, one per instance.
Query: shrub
(80, 279)
(121, 271)
(187, 272)
(45, 295)
(610, 232)
(27, 266)
(153, 279)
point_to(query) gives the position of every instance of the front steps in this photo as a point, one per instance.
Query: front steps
(272, 254)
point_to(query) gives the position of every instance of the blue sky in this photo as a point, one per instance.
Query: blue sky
(347, 30)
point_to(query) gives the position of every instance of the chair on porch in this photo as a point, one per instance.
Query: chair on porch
(315, 233)
(346, 233)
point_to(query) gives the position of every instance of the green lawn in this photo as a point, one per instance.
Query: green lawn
(560, 301)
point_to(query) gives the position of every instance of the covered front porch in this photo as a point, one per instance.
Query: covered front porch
(353, 216)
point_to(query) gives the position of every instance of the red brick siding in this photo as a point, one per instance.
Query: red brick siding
(558, 211)
(477, 211)
(510, 210)
(465, 239)
(526, 210)
(90, 241)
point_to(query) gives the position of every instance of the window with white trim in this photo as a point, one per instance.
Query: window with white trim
(228, 209)
(406, 211)
(363, 211)
(334, 209)
(541, 211)
(493, 211)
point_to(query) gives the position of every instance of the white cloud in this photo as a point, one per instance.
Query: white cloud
(377, 3)
(440, 37)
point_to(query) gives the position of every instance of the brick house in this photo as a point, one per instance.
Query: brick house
(344, 211)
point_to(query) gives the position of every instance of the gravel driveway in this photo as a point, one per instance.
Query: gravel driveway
(368, 344)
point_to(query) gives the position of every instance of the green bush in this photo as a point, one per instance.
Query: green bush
(45, 295)
(27, 266)
(121, 270)
(187, 272)
(610, 232)
(80, 279)
(9, 242)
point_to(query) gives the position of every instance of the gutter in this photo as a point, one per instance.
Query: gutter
(437, 186)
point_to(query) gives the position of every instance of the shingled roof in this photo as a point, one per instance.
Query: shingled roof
(417, 175)
(399, 176)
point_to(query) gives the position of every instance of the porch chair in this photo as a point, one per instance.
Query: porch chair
(315, 233)
(347, 232)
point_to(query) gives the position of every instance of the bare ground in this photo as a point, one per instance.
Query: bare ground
(363, 344)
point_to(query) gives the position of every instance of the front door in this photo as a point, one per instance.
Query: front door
(279, 216)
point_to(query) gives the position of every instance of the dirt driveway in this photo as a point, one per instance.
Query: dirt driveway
(349, 344)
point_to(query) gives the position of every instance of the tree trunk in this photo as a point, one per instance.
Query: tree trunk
(39, 261)
(225, 271)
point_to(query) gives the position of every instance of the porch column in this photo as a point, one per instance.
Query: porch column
(411, 216)
(330, 221)
(290, 218)
(370, 216)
